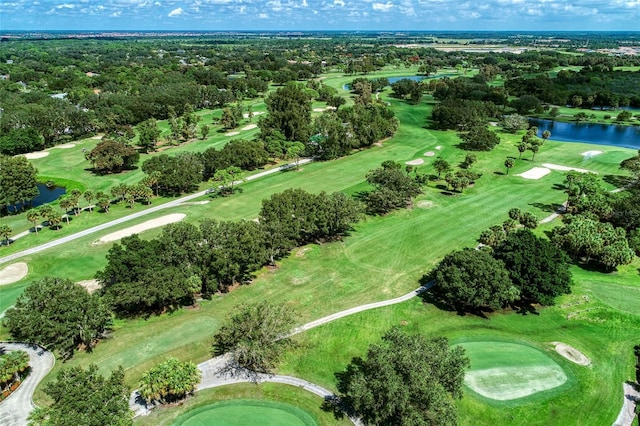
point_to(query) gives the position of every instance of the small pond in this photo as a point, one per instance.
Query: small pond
(600, 134)
(47, 194)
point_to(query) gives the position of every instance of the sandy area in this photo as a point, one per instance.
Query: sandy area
(34, 155)
(231, 133)
(319, 109)
(136, 229)
(65, 145)
(438, 147)
(589, 154)
(13, 273)
(425, 204)
(571, 353)
(417, 162)
(535, 173)
(429, 154)
(246, 115)
(250, 126)
(96, 137)
(493, 123)
(565, 168)
(90, 285)
(194, 203)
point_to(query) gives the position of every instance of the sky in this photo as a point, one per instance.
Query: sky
(425, 15)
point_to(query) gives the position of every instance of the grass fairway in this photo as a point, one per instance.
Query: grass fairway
(246, 412)
(506, 371)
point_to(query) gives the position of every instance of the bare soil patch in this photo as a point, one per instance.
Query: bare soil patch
(535, 173)
(417, 162)
(246, 114)
(571, 353)
(90, 285)
(136, 229)
(425, 204)
(13, 273)
(35, 155)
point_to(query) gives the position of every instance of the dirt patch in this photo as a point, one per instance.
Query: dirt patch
(417, 162)
(90, 285)
(96, 137)
(250, 126)
(565, 168)
(571, 353)
(13, 273)
(231, 133)
(319, 109)
(429, 154)
(35, 155)
(136, 229)
(302, 252)
(535, 173)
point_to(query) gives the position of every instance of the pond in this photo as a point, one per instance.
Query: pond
(47, 194)
(600, 134)
(408, 77)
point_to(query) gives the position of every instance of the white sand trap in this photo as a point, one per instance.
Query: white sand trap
(34, 155)
(90, 285)
(507, 383)
(250, 126)
(417, 162)
(425, 204)
(565, 168)
(136, 229)
(438, 147)
(429, 154)
(493, 123)
(65, 146)
(231, 133)
(535, 173)
(246, 114)
(571, 353)
(589, 154)
(13, 273)
(96, 137)
(319, 109)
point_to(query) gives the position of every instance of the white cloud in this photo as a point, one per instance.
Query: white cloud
(116, 14)
(382, 6)
(176, 12)
(263, 16)
(338, 3)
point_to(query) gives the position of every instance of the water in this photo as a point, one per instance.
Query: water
(47, 194)
(599, 134)
(409, 77)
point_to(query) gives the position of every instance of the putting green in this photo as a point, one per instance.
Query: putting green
(507, 371)
(246, 412)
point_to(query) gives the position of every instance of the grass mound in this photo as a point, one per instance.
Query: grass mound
(246, 412)
(506, 371)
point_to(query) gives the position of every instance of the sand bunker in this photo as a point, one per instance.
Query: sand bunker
(90, 285)
(319, 109)
(429, 154)
(96, 137)
(535, 173)
(65, 146)
(231, 133)
(438, 147)
(571, 353)
(136, 229)
(250, 126)
(13, 273)
(589, 154)
(246, 114)
(34, 155)
(565, 168)
(417, 162)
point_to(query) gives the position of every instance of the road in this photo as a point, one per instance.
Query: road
(160, 207)
(16, 408)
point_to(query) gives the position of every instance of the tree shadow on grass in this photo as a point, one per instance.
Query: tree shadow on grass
(549, 207)
(618, 181)
(428, 297)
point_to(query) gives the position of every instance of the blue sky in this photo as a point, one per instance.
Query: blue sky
(319, 15)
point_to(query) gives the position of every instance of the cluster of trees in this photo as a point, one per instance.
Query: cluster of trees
(409, 90)
(394, 188)
(59, 315)
(460, 179)
(18, 183)
(405, 379)
(87, 397)
(519, 267)
(110, 156)
(169, 381)
(14, 367)
(145, 276)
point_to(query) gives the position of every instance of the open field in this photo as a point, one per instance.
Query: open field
(383, 258)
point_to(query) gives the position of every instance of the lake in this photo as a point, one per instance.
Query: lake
(600, 134)
(47, 194)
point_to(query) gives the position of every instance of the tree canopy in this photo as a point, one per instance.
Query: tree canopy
(58, 314)
(405, 380)
(111, 156)
(169, 381)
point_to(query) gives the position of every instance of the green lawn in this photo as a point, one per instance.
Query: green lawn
(385, 257)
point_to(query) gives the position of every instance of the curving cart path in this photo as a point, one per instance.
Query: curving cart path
(15, 410)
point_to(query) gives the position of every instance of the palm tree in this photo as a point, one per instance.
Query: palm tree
(522, 147)
(33, 216)
(89, 196)
(508, 163)
(104, 203)
(534, 148)
(65, 205)
(5, 232)
(546, 135)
